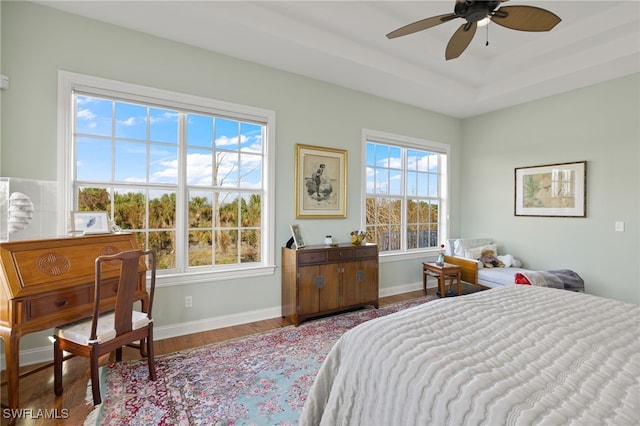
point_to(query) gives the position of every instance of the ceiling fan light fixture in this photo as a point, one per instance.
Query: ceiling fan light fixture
(479, 13)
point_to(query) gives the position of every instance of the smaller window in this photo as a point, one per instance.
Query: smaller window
(405, 187)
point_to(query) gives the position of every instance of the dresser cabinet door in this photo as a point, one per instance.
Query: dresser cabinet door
(360, 282)
(330, 290)
(308, 295)
(368, 280)
(318, 288)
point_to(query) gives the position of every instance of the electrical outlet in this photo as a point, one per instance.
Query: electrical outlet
(188, 301)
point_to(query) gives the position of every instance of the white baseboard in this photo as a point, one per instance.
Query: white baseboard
(45, 354)
(181, 329)
(405, 288)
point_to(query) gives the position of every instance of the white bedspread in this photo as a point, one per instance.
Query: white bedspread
(498, 277)
(519, 355)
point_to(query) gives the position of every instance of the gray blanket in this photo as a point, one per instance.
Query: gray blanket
(560, 278)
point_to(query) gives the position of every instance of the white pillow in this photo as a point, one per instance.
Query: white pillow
(462, 244)
(476, 252)
(507, 259)
(448, 247)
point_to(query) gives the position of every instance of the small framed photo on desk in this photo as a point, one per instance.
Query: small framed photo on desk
(297, 236)
(90, 222)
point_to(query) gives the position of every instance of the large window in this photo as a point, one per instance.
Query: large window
(406, 188)
(188, 176)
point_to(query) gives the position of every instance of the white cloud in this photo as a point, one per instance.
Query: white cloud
(86, 114)
(165, 116)
(226, 141)
(128, 122)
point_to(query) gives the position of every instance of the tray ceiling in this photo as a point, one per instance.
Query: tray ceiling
(343, 42)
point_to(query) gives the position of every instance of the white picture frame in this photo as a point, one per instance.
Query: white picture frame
(90, 222)
(297, 236)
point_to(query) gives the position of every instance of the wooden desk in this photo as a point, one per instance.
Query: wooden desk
(48, 283)
(443, 272)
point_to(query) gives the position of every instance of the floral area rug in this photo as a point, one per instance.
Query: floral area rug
(261, 379)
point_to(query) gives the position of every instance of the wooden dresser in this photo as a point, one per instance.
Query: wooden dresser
(48, 283)
(319, 280)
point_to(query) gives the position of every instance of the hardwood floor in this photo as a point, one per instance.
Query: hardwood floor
(38, 401)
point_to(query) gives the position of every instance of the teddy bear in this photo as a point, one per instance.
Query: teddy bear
(489, 259)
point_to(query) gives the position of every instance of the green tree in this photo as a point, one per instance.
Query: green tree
(129, 210)
(94, 199)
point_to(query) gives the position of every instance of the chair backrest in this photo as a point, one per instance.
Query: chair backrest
(127, 284)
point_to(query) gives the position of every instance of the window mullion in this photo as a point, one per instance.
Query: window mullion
(404, 209)
(182, 216)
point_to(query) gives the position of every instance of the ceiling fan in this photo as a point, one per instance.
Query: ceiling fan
(523, 18)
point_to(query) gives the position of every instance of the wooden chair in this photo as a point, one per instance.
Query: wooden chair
(106, 332)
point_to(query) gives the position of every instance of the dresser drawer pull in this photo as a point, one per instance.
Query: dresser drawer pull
(61, 302)
(318, 281)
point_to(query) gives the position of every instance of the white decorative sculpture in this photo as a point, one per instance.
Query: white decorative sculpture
(20, 212)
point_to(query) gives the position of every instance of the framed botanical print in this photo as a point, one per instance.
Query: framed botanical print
(556, 190)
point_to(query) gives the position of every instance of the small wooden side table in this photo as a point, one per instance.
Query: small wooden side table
(443, 272)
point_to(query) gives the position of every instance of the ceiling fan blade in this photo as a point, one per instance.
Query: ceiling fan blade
(525, 18)
(460, 40)
(422, 24)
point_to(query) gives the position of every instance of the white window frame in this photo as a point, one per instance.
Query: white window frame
(68, 82)
(369, 135)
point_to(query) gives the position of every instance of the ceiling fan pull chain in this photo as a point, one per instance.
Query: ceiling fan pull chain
(487, 43)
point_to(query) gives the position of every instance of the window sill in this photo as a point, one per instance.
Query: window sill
(177, 279)
(399, 257)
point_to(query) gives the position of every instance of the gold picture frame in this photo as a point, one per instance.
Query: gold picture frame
(321, 182)
(551, 190)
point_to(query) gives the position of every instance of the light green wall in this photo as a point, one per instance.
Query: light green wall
(37, 41)
(599, 124)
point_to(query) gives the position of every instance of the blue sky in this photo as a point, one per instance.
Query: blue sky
(384, 171)
(115, 135)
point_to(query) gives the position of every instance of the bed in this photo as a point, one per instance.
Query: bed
(517, 355)
(465, 253)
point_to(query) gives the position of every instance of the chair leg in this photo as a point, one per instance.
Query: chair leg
(57, 367)
(143, 348)
(150, 356)
(119, 355)
(95, 378)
